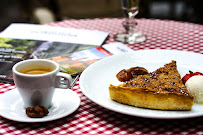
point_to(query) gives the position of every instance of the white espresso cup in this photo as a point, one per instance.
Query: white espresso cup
(36, 80)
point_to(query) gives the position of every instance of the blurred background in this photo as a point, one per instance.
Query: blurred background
(46, 11)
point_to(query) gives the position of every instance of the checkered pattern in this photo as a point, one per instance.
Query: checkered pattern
(91, 118)
(161, 34)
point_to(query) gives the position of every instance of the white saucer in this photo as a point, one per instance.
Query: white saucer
(65, 102)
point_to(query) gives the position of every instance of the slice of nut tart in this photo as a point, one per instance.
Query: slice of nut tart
(162, 89)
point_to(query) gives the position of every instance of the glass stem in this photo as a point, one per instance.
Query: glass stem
(130, 25)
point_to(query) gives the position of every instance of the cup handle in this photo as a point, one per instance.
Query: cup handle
(58, 83)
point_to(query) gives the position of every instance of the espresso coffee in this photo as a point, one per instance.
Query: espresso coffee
(36, 71)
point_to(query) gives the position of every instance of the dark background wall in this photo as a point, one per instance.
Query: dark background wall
(25, 10)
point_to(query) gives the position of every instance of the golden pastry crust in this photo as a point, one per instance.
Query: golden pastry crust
(146, 98)
(162, 89)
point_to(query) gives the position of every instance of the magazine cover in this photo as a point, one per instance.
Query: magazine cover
(30, 41)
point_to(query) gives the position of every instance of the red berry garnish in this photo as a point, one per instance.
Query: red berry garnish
(187, 76)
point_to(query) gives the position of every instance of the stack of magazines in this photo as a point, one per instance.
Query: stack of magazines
(73, 49)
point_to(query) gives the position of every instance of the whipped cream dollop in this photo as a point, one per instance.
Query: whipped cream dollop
(195, 87)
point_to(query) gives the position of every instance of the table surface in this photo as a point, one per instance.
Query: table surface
(91, 118)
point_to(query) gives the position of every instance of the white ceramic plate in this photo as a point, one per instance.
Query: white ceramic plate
(95, 80)
(65, 102)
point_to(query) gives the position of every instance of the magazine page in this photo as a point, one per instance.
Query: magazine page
(15, 50)
(75, 63)
(54, 33)
(117, 48)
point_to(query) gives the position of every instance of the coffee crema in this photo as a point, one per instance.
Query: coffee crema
(36, 71)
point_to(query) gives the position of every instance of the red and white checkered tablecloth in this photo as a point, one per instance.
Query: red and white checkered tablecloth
(91, 118)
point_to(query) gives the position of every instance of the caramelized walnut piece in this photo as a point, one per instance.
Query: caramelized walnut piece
(135, 71)
(126, 75)
(37, 111)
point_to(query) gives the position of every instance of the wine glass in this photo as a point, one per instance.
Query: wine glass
(130, 9)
